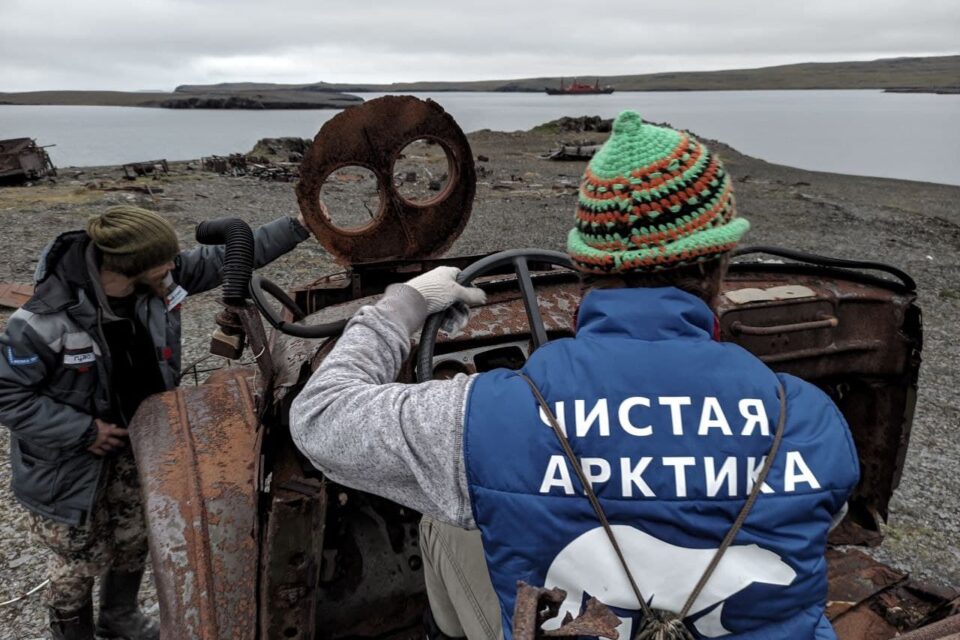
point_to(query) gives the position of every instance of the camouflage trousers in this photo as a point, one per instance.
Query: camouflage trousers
(114, 536)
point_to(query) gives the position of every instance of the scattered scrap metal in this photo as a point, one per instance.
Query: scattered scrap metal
(867, 599)
(21, 160)
(571, 152)
(234, 164)
(13, 295)
(536, 605)
(154, 168)
(237, 165)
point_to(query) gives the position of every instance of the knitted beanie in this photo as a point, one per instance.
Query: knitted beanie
(132, 240)
(652, 198)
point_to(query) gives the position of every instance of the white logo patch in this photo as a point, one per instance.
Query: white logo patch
(666, 574)
(175, 296)
(79, 358)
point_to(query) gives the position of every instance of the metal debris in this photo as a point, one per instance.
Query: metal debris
(868, 600)
(279, 172)
(235, 164)
(572, 152)
(238, 165)
(14, 295)
(21, 160)
(536, 605)
(133, 170)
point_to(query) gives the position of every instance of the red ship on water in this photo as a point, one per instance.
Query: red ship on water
(579, 89)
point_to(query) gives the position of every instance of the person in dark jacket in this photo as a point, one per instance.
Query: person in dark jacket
(670, 428)
(99, 335)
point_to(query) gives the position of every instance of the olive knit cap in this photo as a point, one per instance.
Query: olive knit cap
(132, 240)
(652, 198)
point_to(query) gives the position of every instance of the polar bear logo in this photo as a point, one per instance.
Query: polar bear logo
(666, 575)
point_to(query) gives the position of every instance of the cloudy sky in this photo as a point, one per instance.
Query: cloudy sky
(158, 44)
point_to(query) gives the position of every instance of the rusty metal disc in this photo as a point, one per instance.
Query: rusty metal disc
(372, 135)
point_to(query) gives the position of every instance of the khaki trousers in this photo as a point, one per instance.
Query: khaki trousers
(461, 595)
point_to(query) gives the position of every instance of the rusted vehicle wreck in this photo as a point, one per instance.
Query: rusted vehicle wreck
(250, 542)
(21, 160)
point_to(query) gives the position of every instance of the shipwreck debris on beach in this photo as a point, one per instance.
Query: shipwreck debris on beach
(571, 152)
(133, 170)
(271, 159)
(234, 164)
(238, 165)
(22, 160)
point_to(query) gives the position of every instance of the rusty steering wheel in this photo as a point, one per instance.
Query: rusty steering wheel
(520, 259)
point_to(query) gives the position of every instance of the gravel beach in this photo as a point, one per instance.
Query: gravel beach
(523, 201)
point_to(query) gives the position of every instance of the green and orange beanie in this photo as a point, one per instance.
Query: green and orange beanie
(652, 198)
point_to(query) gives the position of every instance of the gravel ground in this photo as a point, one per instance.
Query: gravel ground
(522, 201)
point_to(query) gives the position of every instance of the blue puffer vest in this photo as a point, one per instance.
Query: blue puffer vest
(671, 428)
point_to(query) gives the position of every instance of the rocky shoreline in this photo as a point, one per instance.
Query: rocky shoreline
(251, 100)
(524, 201)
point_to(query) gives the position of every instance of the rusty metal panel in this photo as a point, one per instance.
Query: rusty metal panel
(372, 135)
(855, 578)
(371, 580)
(197, 450)
(866, 336)
(868, 600)
(14, 295)
(536, 605)
(864, 353)
(294, 516)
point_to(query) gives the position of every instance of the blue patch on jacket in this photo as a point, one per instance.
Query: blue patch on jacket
(18, 361)
(671, 427)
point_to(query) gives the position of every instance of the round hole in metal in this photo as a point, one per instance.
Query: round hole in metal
(351, 198)
(422, 171)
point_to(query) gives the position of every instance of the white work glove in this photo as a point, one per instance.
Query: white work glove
(441, 291)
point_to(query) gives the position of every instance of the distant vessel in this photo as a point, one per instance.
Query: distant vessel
(579, 89)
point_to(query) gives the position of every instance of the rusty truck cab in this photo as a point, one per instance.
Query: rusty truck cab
(248, 541)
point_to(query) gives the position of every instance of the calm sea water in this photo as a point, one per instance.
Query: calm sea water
(911, 136)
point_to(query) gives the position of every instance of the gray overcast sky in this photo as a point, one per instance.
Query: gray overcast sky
(158, 44)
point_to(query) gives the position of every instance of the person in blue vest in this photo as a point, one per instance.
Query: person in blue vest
(670, 426)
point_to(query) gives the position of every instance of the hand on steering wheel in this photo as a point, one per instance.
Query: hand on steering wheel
(520, 259)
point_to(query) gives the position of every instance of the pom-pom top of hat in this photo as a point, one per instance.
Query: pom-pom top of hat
(634, 147)
(628, 122)
(652, 198)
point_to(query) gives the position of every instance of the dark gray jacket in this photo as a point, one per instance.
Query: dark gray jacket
(55, 366)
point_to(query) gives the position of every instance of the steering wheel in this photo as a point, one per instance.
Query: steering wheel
(520, 259)
(260, 287)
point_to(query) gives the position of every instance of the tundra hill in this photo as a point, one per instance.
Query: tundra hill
(918, 74)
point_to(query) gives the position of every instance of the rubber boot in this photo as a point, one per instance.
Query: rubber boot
(72, 625)
(120, 615)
